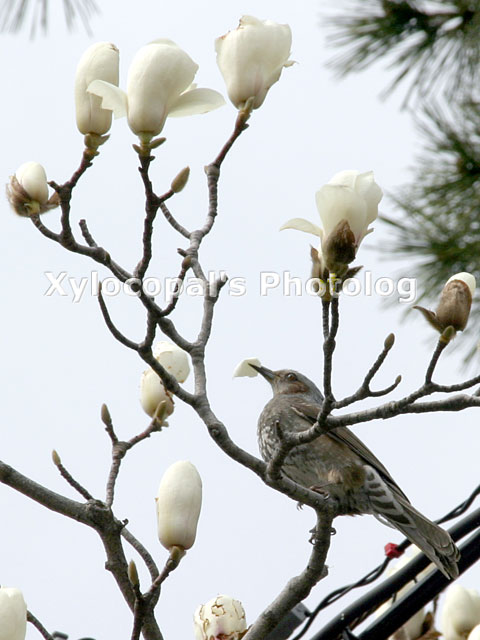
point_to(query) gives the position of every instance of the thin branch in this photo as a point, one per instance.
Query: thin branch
(118, 335)
(329, 348)
(87, 236)
(172, 221)
(142, 552)
(38, 625)
(364, 390)
(441, 344)
(298, 588)
(70, 479)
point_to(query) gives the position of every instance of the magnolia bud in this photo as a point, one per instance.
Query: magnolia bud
(27, 191)
(179, 500)
(455, 301)
(180, 180)
(221, 618)
(461, 611)
(13, 614)
(251, 59)
(152, 393)
(99, 62)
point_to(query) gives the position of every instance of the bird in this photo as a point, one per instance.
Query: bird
(338, 465)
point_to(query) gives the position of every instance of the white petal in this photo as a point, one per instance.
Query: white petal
(158, 75)
(336, 203)
(99, 62)
(113, 98)
(13, 614)
(467, 278)
(196, 101)
(345, 178)
(32, 177)
(244, 370)
(152, 393)
(173, 359)
(300, 224)
(366, 187)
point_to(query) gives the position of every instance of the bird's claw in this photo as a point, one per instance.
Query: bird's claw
(320, 489)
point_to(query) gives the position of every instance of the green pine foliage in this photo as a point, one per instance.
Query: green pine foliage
(14, 14)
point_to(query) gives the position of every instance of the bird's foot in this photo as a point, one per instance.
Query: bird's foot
(320, 488)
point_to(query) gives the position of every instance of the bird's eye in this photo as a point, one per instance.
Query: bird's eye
(291, 377)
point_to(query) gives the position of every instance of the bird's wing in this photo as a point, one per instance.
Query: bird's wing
(310, 410)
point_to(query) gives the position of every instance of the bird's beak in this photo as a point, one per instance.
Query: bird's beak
(268, 374)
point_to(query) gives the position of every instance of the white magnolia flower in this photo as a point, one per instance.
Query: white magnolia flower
(222, 617)
(244, 370)
(152, 393)
(99, 62)
(179, 500)
(474, 633)
(461, 612)
(13, 614)
(173, 359)
(27, 191)
(251, 58)
(347, 205)
(159, 85)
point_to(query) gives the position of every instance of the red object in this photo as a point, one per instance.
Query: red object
(392, 550)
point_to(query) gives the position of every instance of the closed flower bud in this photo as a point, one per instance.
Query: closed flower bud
(153, 393)
(13, 614)
(461, 612)
(159, 85)
(251, 58)
(179, 500)
(455, 301)
(454, 305)
(99, 62)
(222, 618)
(180, 180)
(27, 190)
(347, 205)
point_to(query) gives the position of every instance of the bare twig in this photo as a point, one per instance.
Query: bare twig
(117, 334)
(38, 626)
(69, 478)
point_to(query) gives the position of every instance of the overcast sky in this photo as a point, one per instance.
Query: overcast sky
(60, 363)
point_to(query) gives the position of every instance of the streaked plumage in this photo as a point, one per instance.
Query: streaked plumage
(340, 463)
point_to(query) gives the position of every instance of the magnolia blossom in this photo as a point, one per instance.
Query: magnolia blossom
(222, 617)
(244, 370)
(152, 393)
(13, 614)
(27, 190)
(251, 58)
(454, 305)
(159, 85)
(179, 500)
(99, 62)
(152, 390)
(173, 359)
(347, 205)
(460, 613)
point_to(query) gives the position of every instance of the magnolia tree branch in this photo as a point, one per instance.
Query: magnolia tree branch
(38, 626)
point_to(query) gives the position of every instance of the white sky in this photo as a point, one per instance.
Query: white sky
(60, 363)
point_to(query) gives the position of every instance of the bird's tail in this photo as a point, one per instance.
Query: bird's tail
(435, 542)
